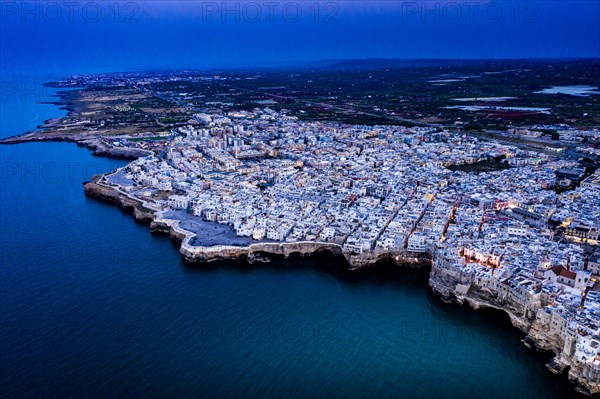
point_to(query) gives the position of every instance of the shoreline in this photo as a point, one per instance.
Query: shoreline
(535, 337)
(448, 290)
(144, 213)
(535, 327)
(95, 145)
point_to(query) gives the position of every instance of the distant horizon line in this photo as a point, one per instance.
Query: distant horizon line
(323, 63)
(331, 63)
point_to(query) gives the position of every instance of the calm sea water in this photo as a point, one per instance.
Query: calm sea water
(93, 305)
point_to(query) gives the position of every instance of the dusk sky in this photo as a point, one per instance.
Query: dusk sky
(82, 37)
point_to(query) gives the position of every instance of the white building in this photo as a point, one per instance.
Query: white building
(417, 243)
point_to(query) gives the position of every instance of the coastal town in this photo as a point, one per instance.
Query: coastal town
(503, 238)
(300, 199)
(504, 219)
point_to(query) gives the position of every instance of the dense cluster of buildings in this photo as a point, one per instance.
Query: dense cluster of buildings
(388, 189)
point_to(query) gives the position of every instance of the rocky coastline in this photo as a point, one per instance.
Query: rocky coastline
(108, 194)
(533, 324)
(198, 254)
(95, 145)
(447, 287)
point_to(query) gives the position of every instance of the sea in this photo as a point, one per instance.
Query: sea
(94, 305)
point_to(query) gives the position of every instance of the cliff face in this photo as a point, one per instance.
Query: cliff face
(98, 148)
(108, 194)
(96, 145)
(401, 257)
(452, 289)
(450, 286)
(220, 252)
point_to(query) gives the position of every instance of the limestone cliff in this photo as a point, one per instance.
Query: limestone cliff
(452, 289)
(450, 286)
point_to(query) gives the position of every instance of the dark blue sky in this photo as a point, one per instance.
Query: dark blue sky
(91, 36)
